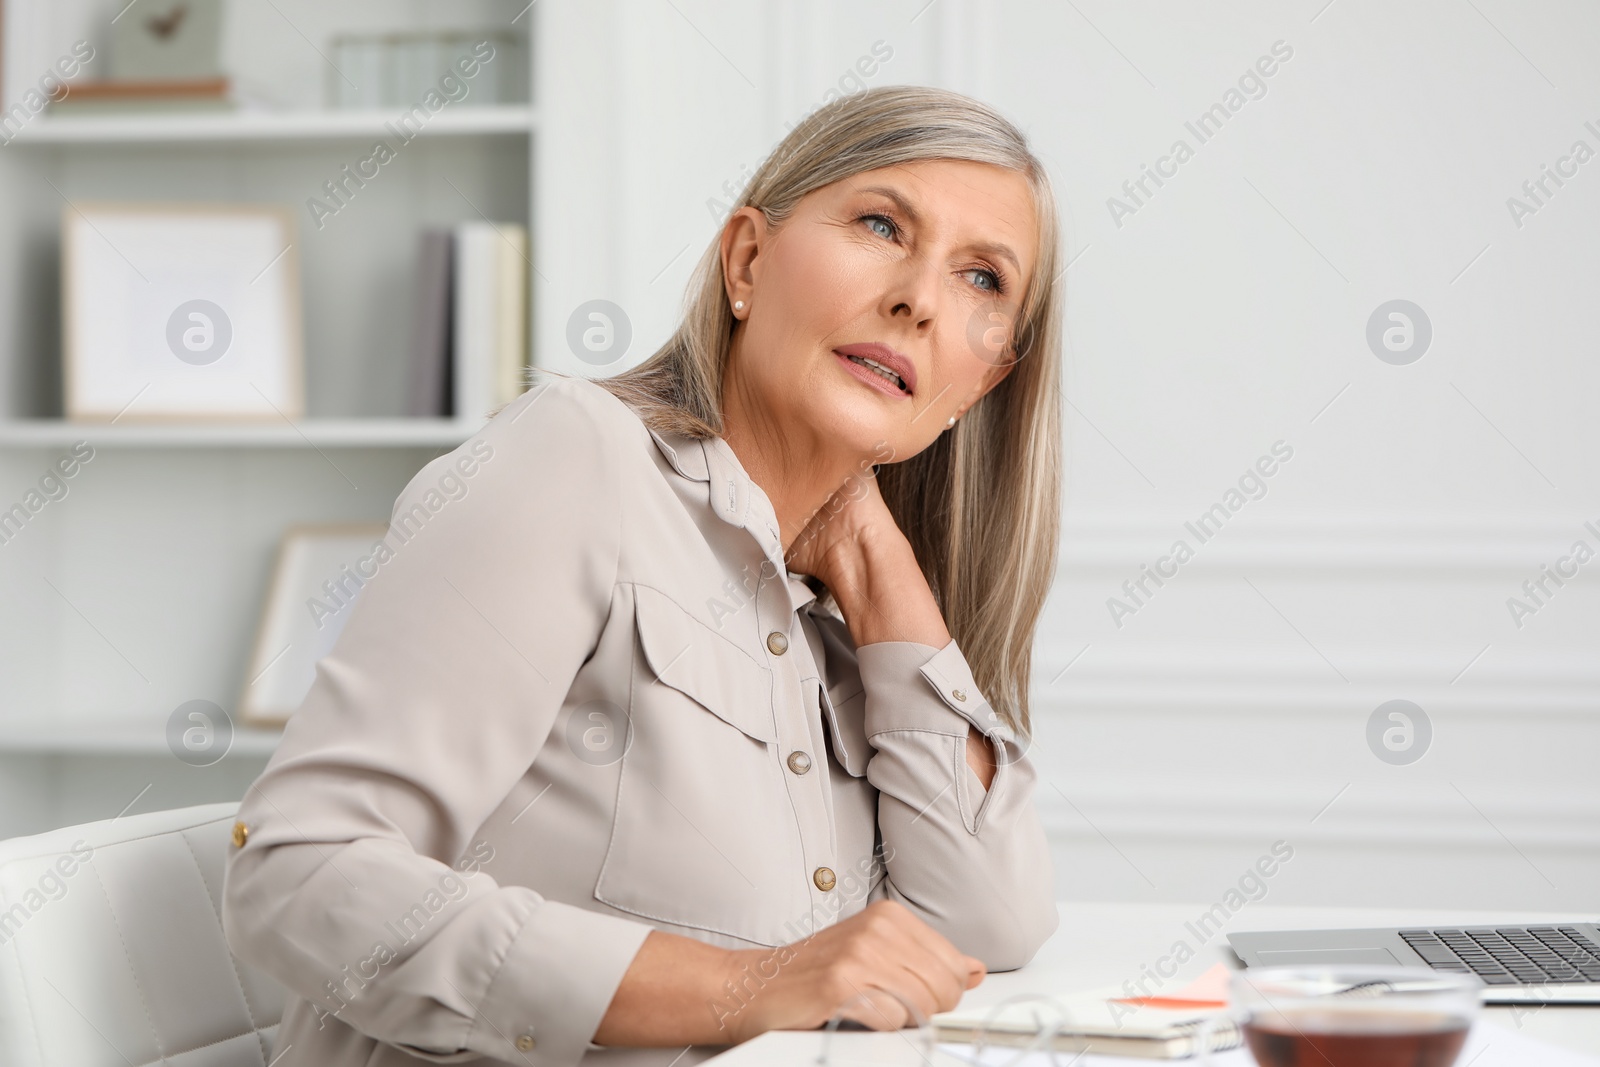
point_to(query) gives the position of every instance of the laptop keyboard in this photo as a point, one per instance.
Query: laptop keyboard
(1525, 955)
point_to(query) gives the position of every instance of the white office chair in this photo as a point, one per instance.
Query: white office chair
(119, 959)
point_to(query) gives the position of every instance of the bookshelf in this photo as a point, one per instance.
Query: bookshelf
(141, 588)
(338, 433)
(504, 120)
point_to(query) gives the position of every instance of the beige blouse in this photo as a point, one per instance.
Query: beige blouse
(578, 698)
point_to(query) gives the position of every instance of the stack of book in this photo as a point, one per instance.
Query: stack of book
(470, 352)
(396, 69)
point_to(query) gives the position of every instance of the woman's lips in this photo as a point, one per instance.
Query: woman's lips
(871, 377)
(857, 355)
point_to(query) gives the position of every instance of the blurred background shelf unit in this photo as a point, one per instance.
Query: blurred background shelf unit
(267, 126)
(308, 433)
(139, 587)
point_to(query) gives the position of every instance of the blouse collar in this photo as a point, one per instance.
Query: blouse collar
(734, 497)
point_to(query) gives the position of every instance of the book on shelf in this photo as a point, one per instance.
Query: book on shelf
(490, 315)
(511, 338)
(394, 69)
(430, 392)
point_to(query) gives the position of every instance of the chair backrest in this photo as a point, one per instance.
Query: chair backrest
(111, 948)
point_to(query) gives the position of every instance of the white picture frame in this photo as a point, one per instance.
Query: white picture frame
(300, 618)
(180, 312)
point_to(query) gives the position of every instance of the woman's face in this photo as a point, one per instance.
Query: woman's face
(918, 268)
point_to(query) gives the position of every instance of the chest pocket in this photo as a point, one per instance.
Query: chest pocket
(687, 655)
(704, 834)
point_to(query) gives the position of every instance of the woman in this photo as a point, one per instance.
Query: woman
(651, 731)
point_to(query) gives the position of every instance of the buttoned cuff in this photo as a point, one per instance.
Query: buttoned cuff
(547, 999)
(919, 687)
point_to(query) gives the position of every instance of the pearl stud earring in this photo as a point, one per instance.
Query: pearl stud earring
(738, 305)
(951, 423)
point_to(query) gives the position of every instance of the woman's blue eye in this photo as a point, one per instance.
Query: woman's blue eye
(889, 230)
(994, 285)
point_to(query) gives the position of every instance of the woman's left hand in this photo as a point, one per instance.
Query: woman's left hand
(854, 545)
(858, 551)
(855, 511)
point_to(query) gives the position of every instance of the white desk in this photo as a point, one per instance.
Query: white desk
(1107, 944)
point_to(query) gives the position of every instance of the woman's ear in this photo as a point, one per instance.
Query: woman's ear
(1001, 360)
(995, 375)
(991, 378)
(742, 238)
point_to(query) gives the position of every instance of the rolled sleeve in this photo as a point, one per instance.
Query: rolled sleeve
(539, 995)
(974, 864)
(891, 669)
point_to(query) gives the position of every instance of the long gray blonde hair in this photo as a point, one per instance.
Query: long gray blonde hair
(981, 505)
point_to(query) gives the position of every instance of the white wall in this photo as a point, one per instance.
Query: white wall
(1228, 312)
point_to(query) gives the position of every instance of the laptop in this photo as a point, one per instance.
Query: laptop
(1519, 964)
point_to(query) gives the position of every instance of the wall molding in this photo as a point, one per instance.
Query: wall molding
(1409, 607)
(1241, 679)
(1330, 543)
(1364, 815)
(1243, 701)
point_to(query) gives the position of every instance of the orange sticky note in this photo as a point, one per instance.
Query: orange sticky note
(1210, 990)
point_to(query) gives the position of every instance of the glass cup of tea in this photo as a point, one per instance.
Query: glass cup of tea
(1354, 1016)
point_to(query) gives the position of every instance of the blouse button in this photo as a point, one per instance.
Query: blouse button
(525, 1043)
(777, 643)
(799, 762)
(241, 834)
(959, 694)
(824, 879)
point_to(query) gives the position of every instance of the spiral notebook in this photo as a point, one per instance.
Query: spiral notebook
(1105, 1021)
